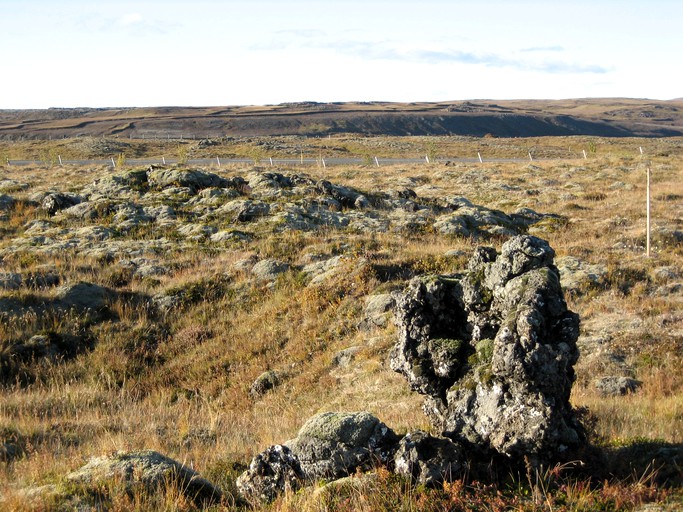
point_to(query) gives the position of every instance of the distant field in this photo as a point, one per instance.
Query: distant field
(513, 118)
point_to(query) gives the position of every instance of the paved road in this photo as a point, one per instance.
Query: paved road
(275, 161)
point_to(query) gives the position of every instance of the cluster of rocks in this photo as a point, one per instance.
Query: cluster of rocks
(492, 350)
(198, 206)
(333, 445)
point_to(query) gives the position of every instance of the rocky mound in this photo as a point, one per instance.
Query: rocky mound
(174, 206)
(493, 351)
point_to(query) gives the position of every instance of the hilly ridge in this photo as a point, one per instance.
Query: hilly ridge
(510, 118)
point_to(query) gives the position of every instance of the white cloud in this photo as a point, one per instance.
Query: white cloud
(133, 18)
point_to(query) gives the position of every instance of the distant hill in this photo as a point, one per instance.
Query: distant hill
(610, 117)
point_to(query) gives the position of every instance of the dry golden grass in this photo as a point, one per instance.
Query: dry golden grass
(179, 383)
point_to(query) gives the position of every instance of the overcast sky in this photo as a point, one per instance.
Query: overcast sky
(70, 53)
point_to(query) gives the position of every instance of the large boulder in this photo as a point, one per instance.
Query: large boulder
(148, 470)
(493, 350)
(332, 445)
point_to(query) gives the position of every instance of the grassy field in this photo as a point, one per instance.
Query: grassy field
(178, 382)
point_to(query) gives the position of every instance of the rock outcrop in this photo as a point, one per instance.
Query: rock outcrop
(493, 350)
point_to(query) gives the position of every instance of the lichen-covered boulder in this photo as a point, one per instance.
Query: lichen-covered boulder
(192, 178)
(334, 444)
(83, 296)
(148, 470)
(270, 473)
(269, 269)
(493, 350)
(265, 382)
(428, 459)
(614, 385)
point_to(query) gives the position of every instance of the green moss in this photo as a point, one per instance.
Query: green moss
(450, 345)
(484, 350)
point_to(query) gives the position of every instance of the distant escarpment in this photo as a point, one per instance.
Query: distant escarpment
(514, 118)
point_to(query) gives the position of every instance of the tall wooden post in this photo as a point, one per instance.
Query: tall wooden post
(647, 237)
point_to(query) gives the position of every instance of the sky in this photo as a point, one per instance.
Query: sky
(74, 53)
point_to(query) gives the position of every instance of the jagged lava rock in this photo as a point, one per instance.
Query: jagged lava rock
(270, 473)
(493, 350)
(429, 459)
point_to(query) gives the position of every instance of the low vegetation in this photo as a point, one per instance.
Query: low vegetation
(182, 315)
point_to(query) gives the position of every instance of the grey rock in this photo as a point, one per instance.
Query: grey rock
(87, 210)
(165, 303)
(9, 451)
(245, 210)
(428, 459)
(334, 444)
(269, 269)
(452, 224)
(229, 236)
(192, 179)
(6, 202)
(126, 185)
(128, 215)
(83, 296)
(666, 273)
(37, 226)
(163, 215)
(268, 184)
(320, 271)
(668, 290)
(577, 275)
(91, 234)
(617, 386)
(8, 185)
(149, 470)
(197, 231)
(41, 279)
(376, 312)
(270, 473)
(361, 202)
(52, 203)
(265, 382)
(493, 350)
(345, 357)
(346, 196)
(10, 281)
